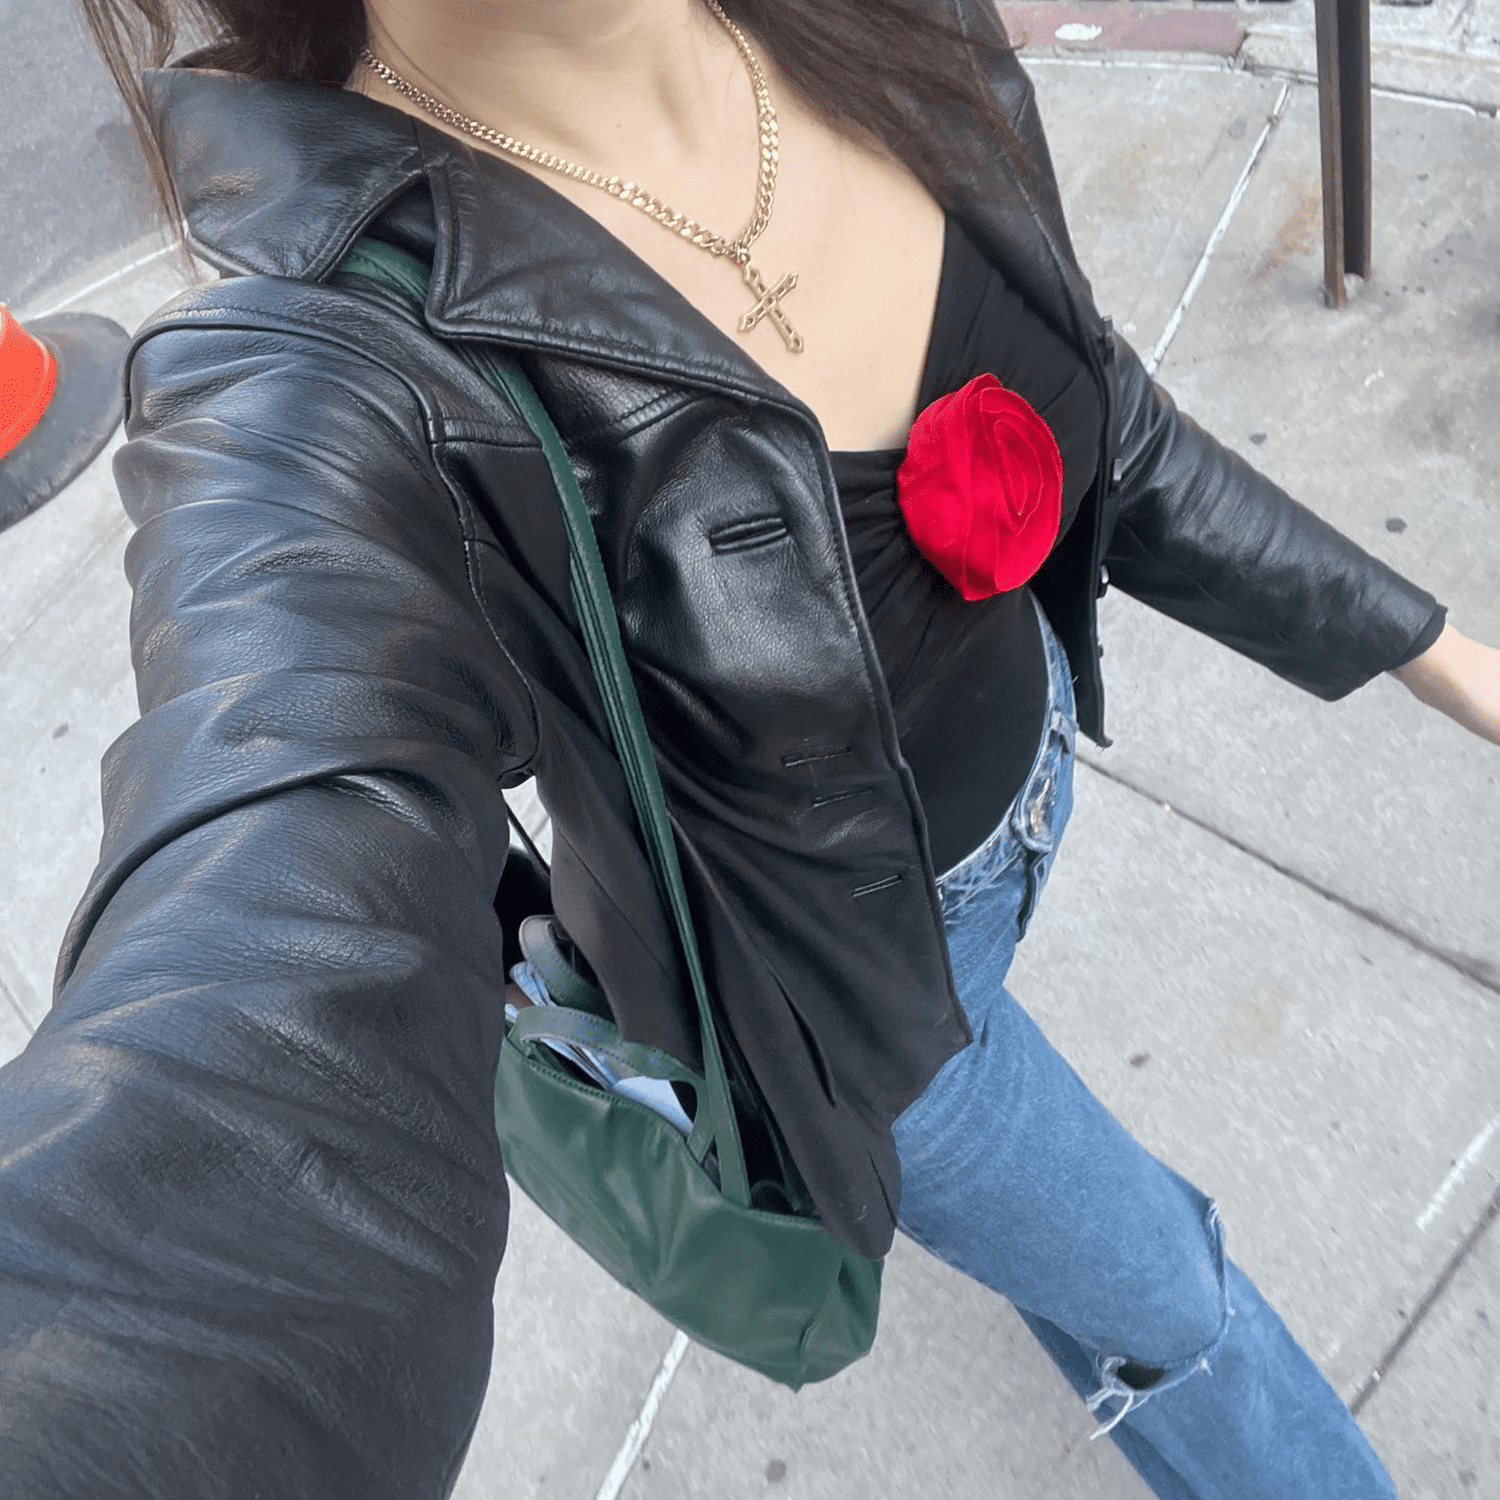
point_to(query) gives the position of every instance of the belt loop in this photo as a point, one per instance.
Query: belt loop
(1066, 727)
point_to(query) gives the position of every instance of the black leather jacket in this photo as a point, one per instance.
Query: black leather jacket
(251, 1203)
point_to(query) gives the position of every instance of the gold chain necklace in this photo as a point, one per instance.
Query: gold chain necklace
(768, 299)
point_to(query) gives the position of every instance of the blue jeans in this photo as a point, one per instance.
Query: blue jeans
(1015, 1174)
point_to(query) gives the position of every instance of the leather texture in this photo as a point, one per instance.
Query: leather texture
(251, 1201)
(723, 1257)
(769, 1290)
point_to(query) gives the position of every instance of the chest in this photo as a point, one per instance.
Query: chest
(864, 240)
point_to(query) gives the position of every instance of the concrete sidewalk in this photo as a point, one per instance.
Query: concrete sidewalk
(1274, 945)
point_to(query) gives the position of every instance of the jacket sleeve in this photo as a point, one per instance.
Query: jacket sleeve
(1206, 538)
(251, 1199)
(1200, 534)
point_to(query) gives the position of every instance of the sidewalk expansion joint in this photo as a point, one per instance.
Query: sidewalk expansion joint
(1215, 239)
(1249, 68)
(99, 284)
(1477, 970)
(9, 997)
(1424, 1308)
(640, 1429)
(1305, 79)
(1146, 62)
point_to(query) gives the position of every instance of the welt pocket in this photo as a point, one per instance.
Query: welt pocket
(828, 799)
(743, 536)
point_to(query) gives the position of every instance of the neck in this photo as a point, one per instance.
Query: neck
(598, 80)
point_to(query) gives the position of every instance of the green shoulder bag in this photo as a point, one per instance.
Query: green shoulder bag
(670, 1215)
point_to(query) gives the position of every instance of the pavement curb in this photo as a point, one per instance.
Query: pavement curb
(1420, 72)
(97, 277)
(1404, 61)
(1091, 27)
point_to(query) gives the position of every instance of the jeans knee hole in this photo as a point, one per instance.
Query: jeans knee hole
(1140, 1377)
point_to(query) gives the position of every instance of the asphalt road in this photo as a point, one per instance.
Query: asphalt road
(73, 190)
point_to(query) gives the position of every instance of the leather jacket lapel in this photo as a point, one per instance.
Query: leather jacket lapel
(518, 261)
(280, 178)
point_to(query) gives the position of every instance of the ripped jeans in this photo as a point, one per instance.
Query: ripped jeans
(1013, 1173)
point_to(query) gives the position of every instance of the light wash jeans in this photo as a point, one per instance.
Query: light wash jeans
(1015, 1174)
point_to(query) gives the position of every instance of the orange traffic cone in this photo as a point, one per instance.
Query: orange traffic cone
(60, 402)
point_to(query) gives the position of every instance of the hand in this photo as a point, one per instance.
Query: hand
(1462, 678)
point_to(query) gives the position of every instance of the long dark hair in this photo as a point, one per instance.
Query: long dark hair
(860, 63)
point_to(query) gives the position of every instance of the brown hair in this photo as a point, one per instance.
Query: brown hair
(860, 63)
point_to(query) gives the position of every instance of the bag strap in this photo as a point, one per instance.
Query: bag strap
(541, 947)
(405, 273)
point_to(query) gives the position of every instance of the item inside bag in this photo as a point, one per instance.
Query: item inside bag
(527, 988)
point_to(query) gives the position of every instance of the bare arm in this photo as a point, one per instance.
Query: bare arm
(1460, 677)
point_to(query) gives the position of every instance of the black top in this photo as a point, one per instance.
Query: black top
(968, 681)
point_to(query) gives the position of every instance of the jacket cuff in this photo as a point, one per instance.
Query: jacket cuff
(1426, 638)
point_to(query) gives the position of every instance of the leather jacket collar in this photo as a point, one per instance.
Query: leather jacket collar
(281, 178)
(257, 199)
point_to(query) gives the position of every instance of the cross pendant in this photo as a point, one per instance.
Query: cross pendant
(768, 306)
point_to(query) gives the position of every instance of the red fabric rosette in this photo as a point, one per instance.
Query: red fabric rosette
(981, 488)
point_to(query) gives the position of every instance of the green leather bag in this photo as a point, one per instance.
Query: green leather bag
(675, 1218)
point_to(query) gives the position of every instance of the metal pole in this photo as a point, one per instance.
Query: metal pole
(1354, 75)
(1343, 32)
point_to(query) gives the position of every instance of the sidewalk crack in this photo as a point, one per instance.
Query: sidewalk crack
(1425, 1306)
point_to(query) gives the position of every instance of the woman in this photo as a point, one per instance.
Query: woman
(252, 1198)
